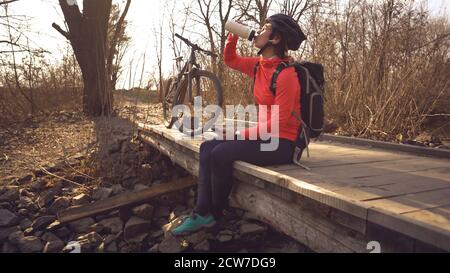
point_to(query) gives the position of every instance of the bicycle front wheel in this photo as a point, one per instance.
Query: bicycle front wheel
(201, 110)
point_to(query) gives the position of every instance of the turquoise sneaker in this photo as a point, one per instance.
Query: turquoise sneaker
(193, 223)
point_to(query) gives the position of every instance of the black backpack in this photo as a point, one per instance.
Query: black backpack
(312, 82)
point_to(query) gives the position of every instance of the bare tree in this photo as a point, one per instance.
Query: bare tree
(87, 34)
(207, 11)
(254, 11)
(297, 8)
(117, 41)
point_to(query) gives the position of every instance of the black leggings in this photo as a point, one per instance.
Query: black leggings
(216, 165)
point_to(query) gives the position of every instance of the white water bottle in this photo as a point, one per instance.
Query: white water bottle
(240, 30)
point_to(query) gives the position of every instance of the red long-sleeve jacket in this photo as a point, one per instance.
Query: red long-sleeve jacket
(287, 92)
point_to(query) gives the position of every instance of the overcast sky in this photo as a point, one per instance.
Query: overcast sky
(143, 16)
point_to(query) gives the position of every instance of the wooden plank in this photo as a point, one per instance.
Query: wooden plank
(122, 200)
(414, 202)
(304, 225)
(410, 164)
(304, 188)
(366, 183)
(427, 227)
(439, 216)
(392, 185)
(340, 217)
(334, 160)
(365, 169)
(421, 151)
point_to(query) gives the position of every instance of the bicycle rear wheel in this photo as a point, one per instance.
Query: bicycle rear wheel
(171, 98)
(207, 90)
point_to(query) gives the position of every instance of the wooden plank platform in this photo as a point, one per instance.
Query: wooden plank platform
(352, 195)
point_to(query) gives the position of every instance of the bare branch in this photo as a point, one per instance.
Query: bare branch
(9, 42)
(7, 2)
(60, 30)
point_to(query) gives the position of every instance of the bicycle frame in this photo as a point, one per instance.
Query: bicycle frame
(189, 67)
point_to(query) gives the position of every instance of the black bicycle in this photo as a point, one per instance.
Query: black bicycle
(179, 104)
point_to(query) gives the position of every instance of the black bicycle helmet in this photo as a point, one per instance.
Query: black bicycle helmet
(289, 29)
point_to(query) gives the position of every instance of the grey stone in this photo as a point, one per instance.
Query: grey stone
(112, 248)
(54, 246)
(101, 193)
(290, 247)
(39, 185)
(127, 249)
(170, 244)
(140, 187)
(48, 237)
(114, 225)
(30, 244)
(63, 232)
(144, 211)
(137, 239)
(23, 212)
(116, 189)
(109, 239)
(5, 232)
(129, 183)
(45, 199)
(162, 212)
(196, 237)
(249, 229)
(157, 234)
(250, 216)
(203, 246)
(135, 227)
(80, 199)
(225, 236)
(25, 223)
(153, 249)
(42, 211)
(6, 205)
(15, 237)
(9, 248)
(42, 222)
(82, 226)
(10, 195)
(7, 218)
(59, 204)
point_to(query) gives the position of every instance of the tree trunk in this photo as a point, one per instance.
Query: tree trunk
(87, 35)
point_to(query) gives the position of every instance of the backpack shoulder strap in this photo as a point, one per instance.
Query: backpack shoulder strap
(280, 68)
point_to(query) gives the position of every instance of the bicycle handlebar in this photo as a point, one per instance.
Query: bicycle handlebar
(195, 47)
